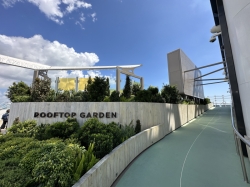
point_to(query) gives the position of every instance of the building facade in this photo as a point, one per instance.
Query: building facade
(233, 17)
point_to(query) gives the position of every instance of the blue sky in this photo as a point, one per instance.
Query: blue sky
(107, 32)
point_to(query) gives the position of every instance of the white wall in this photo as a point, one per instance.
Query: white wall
(178, 62)
(149, 114)
(238, 15)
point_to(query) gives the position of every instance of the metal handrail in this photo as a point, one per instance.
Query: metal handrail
(239, 137)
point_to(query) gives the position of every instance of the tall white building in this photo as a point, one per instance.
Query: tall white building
(233, 18)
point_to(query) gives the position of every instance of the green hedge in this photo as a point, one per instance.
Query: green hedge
(54, 154)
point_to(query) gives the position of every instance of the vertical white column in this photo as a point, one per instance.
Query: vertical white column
(35, 75)
(118, 79)
(76, 85)
(56, 83)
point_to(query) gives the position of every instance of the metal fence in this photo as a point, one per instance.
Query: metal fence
(221, 100)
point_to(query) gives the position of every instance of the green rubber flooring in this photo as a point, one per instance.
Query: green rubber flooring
(202, 153)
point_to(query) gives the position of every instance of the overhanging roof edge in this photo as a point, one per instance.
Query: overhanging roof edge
(38, 66)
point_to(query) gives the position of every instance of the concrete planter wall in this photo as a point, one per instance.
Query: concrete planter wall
(157, 119)
(150, 114)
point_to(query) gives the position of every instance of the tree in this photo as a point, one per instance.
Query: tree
(170, 94)
(108, 87)
(135, 88)
(143, 96)
(89, 83)
(115, 96)
(98, 89)
(127, 88)
(40, 90)
(18, 92)
(154, 90)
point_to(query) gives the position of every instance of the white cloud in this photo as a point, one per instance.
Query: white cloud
(75, 4)
(37, 49)
(52, 8)
(93, 74)
(78, 23)
(93, 17)
(3, 99)
(82, 18)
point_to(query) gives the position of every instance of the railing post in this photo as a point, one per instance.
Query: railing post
(242, 161)
(238, 145)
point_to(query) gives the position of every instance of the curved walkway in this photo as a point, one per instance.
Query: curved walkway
(200, 154)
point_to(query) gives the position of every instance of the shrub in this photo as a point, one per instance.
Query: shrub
(137, 126)
(18, 92)
(22, 98)
(62, 96)
(94, 131)
(40, 132)
(27, 128)
(157, 98)
(170, 94)
(105, 137)
(127, 131)
(115, 96)
(206, 101)
(55, 166)
(143, 96)
(40, 90)
(98, 89)
(135, 89)
(50, 96)
(85, 96)
(192, 102)
(153, 90)
(103, 144)
(91, 126)
(114, 129)
(106, 99)
(84, 161)
(62, 129)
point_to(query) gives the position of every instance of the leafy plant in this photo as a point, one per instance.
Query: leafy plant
(170, 94)
(143, 96)
(98, 89)
(127, 131)
(40, 132)
(137, 126)
(103, 144)
(55, 166)
(206, 101)
(62, 130)
(18, 92)
(40, 90)
(115, 96)
(84, 161)
(27, 128)
(135, 89)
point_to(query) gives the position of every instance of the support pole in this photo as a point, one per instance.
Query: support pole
(56, 83)
(76, 82)
(35, 75)
(118, 79)
(142, 83)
